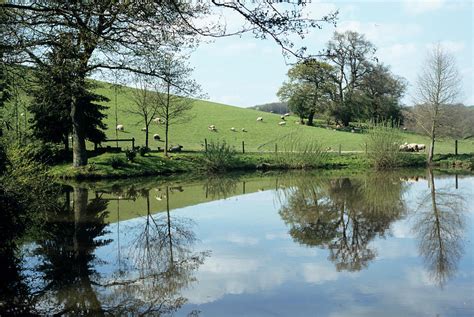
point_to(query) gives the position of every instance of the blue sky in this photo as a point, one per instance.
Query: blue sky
(245, 71)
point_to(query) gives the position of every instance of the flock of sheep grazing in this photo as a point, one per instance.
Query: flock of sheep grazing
(412, 147)
(213, 128)
(406, 147)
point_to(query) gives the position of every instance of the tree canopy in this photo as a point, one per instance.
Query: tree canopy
(119, 35)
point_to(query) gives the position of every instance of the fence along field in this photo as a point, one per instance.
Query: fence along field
(260, 136)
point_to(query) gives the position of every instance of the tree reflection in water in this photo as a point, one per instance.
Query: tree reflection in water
(439, 226)
(160, 264)
(220, 186)
(64, 278)
(66, 249)
(342, 214)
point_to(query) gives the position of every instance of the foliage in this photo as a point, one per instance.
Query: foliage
(130, 154)
(295, 152)
(143, 150)
(3, 158)
(309, 88)
(274, 107)
(116, 161)
(219, 156)
(110, 36)
(383, 146)
(53, 95)
(351, 54)
(380, 93)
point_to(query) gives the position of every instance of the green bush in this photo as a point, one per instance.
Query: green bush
(219, 156)
(47, 153)
(130, 154)
(116, 161)
(143, 150)
(383, 146)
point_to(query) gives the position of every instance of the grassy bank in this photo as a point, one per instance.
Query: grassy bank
(105, 166)
(259, 136)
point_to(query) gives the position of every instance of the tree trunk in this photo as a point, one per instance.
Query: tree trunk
(146, 136)
(310, 118)
(79, 152)
(167, 118)
(170, 240)
(431, 151)
(66, 144)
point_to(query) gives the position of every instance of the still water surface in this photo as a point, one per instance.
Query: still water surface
(292, 244)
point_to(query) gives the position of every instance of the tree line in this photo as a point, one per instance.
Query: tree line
(347, 83)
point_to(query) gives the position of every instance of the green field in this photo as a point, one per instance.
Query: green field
(260, 136)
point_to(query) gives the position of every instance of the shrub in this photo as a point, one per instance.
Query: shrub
(116, 161)
(143, 150)
(130, 154)
(219, 156)
(296, 153)
(47, 153)
(383, 146)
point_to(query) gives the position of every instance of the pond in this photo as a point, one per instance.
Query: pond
(277, 244)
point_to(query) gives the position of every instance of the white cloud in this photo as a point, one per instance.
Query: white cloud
(318, 273)
(240, 239)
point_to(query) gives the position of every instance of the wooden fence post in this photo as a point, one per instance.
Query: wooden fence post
(276, 148)
(455, 147)
(205, 145)
(243, 147)
(133, 143)
(95, 146)
(366, 149)
(340, 150)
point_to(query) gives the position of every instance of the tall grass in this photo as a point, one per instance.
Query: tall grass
(383, 146)
(295, 152)
(219, 156)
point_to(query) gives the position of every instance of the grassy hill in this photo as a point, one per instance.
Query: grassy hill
(260, 136)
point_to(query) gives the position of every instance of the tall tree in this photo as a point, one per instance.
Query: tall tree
(175, 91)
(119, 34)
(52, 97)
(144, 103)
(381, 93)
(437, 87)
(309, 88)
(351, 55)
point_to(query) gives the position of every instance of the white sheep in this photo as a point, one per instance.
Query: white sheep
(287, 114)
(282, 123)
(421, 147)
(212, 128)
(233, 129)
(260, 119)
(243, 130)
(144, 129)
(282, 117)
(120, 127)
(156, 137)
(158, 120)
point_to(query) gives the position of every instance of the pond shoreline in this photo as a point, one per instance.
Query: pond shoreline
(193, 164)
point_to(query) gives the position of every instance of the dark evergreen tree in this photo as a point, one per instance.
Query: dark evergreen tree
(52, 97)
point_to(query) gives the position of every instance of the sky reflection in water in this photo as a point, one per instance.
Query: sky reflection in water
(376, 245)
